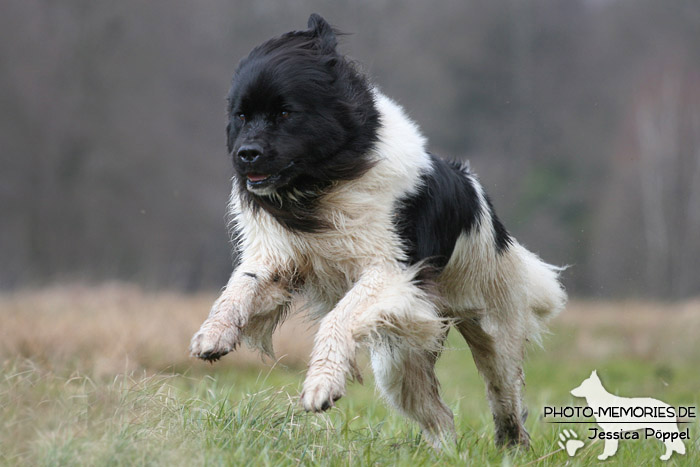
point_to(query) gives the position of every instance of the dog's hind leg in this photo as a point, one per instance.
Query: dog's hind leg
(406, 378)
(498, 355)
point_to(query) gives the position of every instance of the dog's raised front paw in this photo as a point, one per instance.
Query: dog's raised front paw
(215, 338)
(321, 392)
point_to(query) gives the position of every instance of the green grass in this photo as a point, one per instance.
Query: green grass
(250, 416)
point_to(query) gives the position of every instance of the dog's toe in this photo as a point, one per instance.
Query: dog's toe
(316, 400)
(320, 396)
(213, 342)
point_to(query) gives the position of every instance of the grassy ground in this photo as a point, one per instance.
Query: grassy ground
(101, 377)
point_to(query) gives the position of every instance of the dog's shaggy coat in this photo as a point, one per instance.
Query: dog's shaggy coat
(337, 204)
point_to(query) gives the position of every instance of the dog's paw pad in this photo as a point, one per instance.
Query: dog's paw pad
(569, 442)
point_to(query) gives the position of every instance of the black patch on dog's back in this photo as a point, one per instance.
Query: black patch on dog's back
(500, 234)
(430, 221)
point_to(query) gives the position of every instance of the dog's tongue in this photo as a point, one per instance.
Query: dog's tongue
(257, 177)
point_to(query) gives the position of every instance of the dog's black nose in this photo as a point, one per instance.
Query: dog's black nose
(250, 152)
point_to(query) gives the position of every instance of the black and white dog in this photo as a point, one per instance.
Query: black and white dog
(337, 204)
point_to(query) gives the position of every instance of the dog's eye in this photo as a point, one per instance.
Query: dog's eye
(284, 114)
(241, 117)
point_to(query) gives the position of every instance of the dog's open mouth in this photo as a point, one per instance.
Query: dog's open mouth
(262, 184)
(259, 182)
(256, 179)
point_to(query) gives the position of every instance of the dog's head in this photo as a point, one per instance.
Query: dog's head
(588, 387)
(300, 117)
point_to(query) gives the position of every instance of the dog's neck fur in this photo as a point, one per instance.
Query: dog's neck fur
(400, 146)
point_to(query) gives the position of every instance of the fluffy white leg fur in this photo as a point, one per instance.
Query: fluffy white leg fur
(250, 302)
(405, 376)
(382, 301)
(498, 350)
(498, 312)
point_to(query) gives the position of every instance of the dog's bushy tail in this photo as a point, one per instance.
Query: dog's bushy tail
(546, 296)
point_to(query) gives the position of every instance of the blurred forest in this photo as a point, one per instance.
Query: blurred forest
(581, 117)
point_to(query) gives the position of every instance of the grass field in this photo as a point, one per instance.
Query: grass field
(100, 376)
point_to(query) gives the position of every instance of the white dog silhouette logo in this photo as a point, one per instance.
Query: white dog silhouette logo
(617, 415)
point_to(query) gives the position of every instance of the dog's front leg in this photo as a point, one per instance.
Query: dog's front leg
(333, 354)
(250, 291)
(383, 300)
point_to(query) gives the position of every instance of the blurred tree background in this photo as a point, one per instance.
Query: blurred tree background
(582, 118)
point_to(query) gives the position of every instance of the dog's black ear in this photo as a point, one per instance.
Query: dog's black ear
(324, 32)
